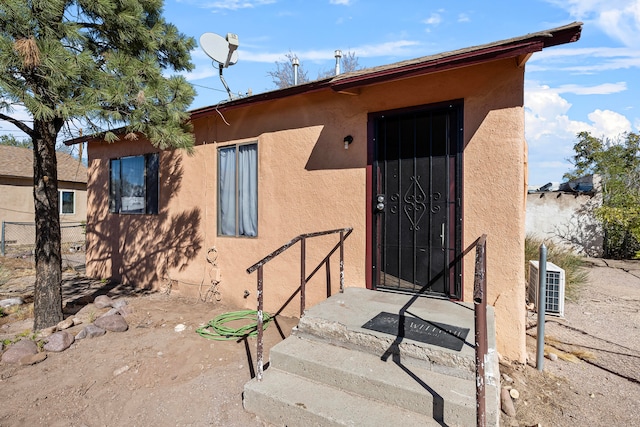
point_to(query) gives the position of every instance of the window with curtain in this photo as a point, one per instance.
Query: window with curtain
(67, 202)
(238, 190)
(133, 185)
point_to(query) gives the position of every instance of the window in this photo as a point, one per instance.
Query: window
(67, 202)
(238, 190)
(133, 185)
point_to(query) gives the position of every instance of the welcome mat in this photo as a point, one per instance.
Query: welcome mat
(440, 334)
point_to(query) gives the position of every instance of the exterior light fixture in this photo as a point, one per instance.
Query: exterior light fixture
(347, 140)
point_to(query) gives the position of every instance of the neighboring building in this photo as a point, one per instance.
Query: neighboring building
(420, 157)
(565, 214)
(16, 190)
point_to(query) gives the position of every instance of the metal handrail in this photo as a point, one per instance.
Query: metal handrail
(302, 238)
(480, 316)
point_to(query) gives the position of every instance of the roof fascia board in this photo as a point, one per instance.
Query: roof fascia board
(463, 59)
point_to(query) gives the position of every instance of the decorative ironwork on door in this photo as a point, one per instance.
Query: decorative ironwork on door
(417, 179)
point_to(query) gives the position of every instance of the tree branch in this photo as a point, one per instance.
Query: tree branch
(17, 123)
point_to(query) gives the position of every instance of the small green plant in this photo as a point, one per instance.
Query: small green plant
(1, 312)
(92, 316)
(572, 264)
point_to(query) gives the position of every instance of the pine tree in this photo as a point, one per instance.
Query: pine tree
(100, 63)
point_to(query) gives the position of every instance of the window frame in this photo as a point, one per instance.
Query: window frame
(237, 191)
(61, 202)
(150, 178)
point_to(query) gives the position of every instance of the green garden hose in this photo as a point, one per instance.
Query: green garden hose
(217, 330)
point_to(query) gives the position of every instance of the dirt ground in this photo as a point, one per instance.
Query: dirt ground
(153, 375)
(596, 379)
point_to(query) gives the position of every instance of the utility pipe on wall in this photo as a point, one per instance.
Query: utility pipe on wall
(542, 304)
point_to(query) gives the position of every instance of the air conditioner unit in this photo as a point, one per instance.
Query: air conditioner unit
(554, 290)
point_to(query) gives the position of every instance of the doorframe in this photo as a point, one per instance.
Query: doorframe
(454, 226)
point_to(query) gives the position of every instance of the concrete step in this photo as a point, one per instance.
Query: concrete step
(437, 396)
(339, 320)
(285, 399)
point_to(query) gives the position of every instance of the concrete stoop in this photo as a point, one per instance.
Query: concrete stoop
(331, 371)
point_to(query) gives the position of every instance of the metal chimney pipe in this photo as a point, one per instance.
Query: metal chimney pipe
(338, 55)
(295, 63)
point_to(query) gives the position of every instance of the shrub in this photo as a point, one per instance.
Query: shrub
(572, 264)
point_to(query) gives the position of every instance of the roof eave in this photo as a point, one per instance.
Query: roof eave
(464, 59)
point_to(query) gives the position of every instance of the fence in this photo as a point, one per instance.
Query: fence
(19, 238)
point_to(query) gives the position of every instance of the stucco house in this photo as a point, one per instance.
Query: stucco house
(419, 157)
(16, 190)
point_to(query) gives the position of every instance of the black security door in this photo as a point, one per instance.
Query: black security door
(417, 200)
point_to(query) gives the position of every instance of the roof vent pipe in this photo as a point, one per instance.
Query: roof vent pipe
(295, 63)
(338, 55)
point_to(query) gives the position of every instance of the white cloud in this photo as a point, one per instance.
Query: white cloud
(341, 2)
(546, 115)
(591, 60)
(619, 19)
(551, 133)
(434, 19)
(229, 4)
(609, 123)
(601, 89)
(396, 48)
(463, 17)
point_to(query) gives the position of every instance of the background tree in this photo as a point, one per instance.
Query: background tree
(618, 165)
(12, 141)
(99, 62)
(348, 63)
(283, 75)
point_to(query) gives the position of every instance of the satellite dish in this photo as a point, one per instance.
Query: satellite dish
(220, 49)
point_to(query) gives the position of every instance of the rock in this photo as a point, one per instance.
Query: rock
(507, 378)
(113, 323)
(111, 312)
(77, 321)
(19, 350)
(60, 341)
(126, 311)
(5, 303)
(122, 370)
(33, 359)
(506, 403)
(179, 327)
(119, 303)
(65, 324)
(90, 331)
(515, 394)
(103, 301)
(44, 333)
(552, 356)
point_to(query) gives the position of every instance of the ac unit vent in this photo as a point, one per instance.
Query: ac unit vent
(554, 288)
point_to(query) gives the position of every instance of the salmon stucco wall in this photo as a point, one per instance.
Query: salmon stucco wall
(308, 182)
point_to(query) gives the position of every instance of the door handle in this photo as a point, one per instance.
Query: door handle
(442, 235)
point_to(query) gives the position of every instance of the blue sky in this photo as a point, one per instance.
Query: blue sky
(590, 85)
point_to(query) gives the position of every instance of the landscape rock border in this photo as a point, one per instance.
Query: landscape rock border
(104, 314)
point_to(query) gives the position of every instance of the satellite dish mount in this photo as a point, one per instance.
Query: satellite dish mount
(222, 50)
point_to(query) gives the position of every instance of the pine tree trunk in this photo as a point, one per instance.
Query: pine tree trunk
(48, 286)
